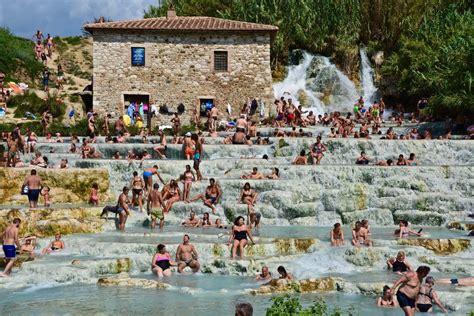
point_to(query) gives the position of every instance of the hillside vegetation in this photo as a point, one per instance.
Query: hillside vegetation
(428, 43)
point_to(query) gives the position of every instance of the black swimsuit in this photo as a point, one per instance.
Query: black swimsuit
(424, 308)
(399, 266)
(163, 264)
(242, 235)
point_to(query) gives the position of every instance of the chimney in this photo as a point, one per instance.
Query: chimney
(171, 13)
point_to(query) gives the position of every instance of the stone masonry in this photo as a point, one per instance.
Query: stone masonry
(179, 68)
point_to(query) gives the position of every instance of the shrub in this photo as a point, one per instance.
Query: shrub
(30, 102)
(287, 305)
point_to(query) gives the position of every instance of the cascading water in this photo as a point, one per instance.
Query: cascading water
(368, 90)
(318, 85)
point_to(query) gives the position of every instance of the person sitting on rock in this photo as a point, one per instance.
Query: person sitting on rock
(161, 263)
(56, 245)
(360, 236)
(265, 275)
(362, 159)
(399, 264)
(28, 246)
(255, 175)
(238, 237)
(301, 159)
(337, 235)
(187, 256)
(249, 197)
(192, 221)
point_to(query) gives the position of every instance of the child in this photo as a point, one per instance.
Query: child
(94, 195)
(46, 196)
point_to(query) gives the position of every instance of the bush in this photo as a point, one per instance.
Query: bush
(287, 305)
(30, 102)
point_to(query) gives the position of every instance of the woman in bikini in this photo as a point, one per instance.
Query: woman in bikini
(161, 262)
(405, 232)
(426, 297)
(188, 177)
(317, 151)
(137, 185)
(172, 194)
(386, 300)
(31, 141)
(274, 175)
(238, 237)
(337, 235)
(56, 245)
(248, 196)
(94, 195)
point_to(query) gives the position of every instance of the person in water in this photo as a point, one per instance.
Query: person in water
(243, 309)
(192, 221)
(284, 275)
(205, 221)
(386, 300)
(265, 275)
(399, 264)
(457, 282)
(404, 231)
(56, 245)
(10, 239)
(137, 184)
(412, 161)
(301, 159)
(172, 194)
(238, 237)
(410, 284)
(187, 256)
(360, 236)
(28, 246)
(161, 262)
(337, 235)
(426, 297)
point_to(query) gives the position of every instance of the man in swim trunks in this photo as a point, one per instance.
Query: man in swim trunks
(34, 185)
(188, 146)
(155, 206)
(192, 221)
(409, 289)
(122, 208)
(187, 256)
(211, 196)
(10, 239)
(148, 176)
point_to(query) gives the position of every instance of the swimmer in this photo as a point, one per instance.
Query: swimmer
(275, 174)
(360, 236)
(187, 256)
(457, 282)
(337, 235)
(285, 275)
(426, 297)
(210, 197)
(412, 161)
(385, 163)
(238, 237)
(410, 284)
(205, 221)
(386, 300)
(192, 221)
(265, 275)
(405, 232)
(399, 264)
(161, 262)
(56, 245)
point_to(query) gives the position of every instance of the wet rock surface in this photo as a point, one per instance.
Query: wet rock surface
(124, 280)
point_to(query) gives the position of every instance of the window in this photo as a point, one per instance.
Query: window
(220, 61)
(138, 56)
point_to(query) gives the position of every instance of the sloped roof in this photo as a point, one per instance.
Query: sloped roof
(182, 23)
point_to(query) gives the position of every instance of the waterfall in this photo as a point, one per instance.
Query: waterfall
(368, 90)
(320, 87)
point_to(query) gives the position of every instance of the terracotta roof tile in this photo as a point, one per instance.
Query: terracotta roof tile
(182, 23)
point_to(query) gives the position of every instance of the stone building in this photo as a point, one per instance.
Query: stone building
(180, 59)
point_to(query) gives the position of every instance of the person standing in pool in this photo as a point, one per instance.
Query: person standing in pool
(410, 284)
(137, 185)
(148, 177)
(122, 208)
(155, 206)
(197, 156)
(187, 256)
(10, 239)
(161, 263)
(426, 297)
(210, 197)
(238, 237)
(34, 185)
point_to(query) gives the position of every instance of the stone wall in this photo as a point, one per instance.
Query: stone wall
(179, 68)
